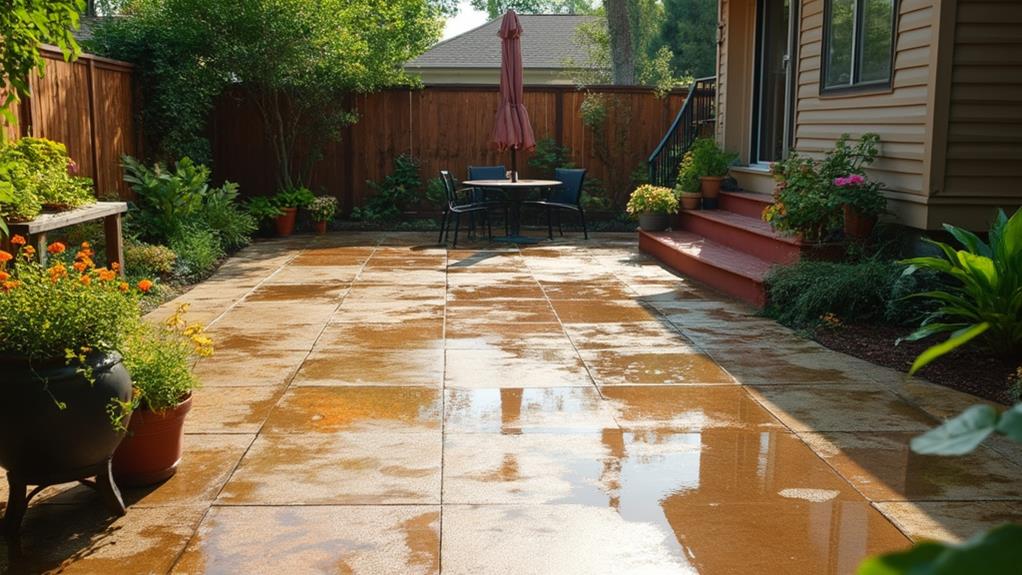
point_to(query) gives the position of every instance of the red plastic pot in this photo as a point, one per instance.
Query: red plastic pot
(152, 449)
(319, 227)
(286, 222)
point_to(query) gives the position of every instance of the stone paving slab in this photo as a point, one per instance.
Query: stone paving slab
(380, 404)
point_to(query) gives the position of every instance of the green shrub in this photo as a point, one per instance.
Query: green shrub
(872, 290)
(198, 251)
(167, 198)
(38, 173)
(224, 216)
(986, 297)
(300, 197)
(149, 259)
(709, 160)
(394, 194)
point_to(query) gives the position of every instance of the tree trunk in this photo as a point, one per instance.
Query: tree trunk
(621, 53)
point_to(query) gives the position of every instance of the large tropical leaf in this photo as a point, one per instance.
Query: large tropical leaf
(995, 552)
(959, 435)
(957, 339)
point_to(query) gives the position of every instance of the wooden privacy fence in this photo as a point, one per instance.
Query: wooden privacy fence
(88, 105)
(448, 127)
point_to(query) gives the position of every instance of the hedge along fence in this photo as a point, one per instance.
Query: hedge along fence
(89, 106)
(449, 127)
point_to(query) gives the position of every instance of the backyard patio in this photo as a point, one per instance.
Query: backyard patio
(380, 404)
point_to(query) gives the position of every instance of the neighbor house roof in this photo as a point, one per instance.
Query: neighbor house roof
(548, 41)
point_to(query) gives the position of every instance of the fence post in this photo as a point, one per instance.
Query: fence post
(90, 81)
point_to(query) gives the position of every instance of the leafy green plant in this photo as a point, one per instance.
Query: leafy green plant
(160, 358)
(805, 198)
(436, 193)
(323, 208)
(986, 298)
(708, 160)
(198, 251)
(648, 199)
(299, 197)
(861, 194)
(549, 155)
(223, 215)
(391, 196)
(149, 259)
(42, 168)
(262, 208)
(688, 175)
(167, 198)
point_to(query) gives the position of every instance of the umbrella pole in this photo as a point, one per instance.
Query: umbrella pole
(514, 164)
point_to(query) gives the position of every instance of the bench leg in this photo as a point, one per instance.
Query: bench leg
(39, 240)
(114, 241)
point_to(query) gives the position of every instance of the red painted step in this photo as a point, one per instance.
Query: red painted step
(745, 203)
(731, 271)
(744, 233)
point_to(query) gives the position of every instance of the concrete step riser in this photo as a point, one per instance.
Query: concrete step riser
(770, 249)
(722, 279)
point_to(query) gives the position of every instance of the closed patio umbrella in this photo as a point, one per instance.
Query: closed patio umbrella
(512, 129)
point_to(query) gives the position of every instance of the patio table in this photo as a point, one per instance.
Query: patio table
(515, 191)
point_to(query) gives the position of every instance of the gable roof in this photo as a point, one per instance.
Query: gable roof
(548, 41)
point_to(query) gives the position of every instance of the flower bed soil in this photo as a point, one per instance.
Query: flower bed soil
(968, 369)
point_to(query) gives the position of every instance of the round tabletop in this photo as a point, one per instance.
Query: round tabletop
(521, 183)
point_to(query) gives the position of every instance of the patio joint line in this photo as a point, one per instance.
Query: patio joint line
(253, 288)
(287, 386)
(443, 411)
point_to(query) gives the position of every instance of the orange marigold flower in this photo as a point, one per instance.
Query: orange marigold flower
(29, 251)
(115, 266)
(145, 286)
(86, 245)
(106, 275)
(57, 271)
(4, 276)
(86, 280)
(56, 248)
(18, 240)
(5, 257)
(124, 287)
(10, 284)
(80, 266)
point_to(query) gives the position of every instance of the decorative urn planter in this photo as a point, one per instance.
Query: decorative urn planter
(319, 228)
(654, 222)
(690, 200)
(152, 449)
(42, 444)
(858, 226)
(286, 222)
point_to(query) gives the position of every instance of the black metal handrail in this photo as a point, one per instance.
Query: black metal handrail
(696, 114)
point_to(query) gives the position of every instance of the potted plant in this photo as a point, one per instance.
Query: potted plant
(322, 210)
(711, 164)
(861, 202)
(688, 186)
(264, 211)
(67, 393)
(654, 206)
(289, 201)
(159, 358)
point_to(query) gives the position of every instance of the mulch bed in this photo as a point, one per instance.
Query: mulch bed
(968, 369)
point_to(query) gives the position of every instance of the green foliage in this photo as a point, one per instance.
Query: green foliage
(648, 199)
(986, 298)
(46, 312)
(38, 174)
(159, 358)
(149, 260)
(867, 291)
(323, 209)
(198, 251)
(223, 215)
(549, 155)
(24, 25)
(497, 8)
(167, 198)
(965, 432)
(298, 197)
(436, 193)
(996, 551)
(689, 29)
(806, 200)
(709, 160)
(688, 175)
(262, 208)
(394, 194)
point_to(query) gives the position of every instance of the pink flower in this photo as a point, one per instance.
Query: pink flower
(72, 167)
(856, 179)
(840, 182)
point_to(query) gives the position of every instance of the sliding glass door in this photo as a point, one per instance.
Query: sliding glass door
(774, 81)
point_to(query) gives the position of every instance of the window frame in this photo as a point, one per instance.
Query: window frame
(857, 85)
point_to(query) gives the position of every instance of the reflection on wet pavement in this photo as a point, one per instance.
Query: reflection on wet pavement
(379, 404)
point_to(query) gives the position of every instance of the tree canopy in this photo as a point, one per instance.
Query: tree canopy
(494, 8)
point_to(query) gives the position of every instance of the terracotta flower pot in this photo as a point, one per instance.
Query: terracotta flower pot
(319, 227)
(657, 222)
(152, 449)
(286, 222)
(710, 186)
(690, 201)
(858, 226)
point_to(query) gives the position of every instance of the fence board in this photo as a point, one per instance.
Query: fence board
(447, 127)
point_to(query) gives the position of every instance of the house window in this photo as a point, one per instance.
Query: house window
(858, 40)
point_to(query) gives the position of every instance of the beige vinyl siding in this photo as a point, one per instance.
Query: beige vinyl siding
(721, 71)
(900, 115)
(984, 141)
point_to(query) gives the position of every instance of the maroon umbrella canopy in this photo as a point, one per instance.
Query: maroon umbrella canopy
(512, 129)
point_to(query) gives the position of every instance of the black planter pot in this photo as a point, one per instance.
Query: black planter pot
(654, 222)
(42, 444)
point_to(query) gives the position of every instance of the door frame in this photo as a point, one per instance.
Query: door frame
(791, 80)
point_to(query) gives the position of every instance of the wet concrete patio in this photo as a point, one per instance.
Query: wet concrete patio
(378, 404)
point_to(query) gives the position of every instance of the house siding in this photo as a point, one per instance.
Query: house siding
(984, 133)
